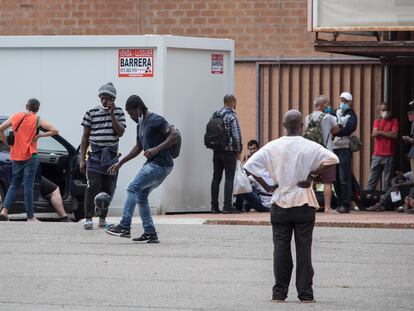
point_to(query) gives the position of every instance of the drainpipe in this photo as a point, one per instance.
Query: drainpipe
(259, 100)
(386, 84)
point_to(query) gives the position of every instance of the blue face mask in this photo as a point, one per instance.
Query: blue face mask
(344, 106)
(328, 109)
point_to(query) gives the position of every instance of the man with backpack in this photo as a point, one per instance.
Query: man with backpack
(23, 154)
(318, 127)
(156, 137)
(223, 135)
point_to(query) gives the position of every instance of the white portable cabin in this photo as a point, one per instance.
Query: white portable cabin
(183, 79)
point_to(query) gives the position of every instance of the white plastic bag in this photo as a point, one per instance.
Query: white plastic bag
(241, 182)
(395, 196)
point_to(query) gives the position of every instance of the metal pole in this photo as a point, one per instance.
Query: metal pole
(386, 84)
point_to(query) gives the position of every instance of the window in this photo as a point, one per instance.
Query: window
(49, 144)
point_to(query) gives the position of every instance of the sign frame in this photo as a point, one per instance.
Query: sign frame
(136, 62)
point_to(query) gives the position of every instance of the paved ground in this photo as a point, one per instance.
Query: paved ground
(53, 266)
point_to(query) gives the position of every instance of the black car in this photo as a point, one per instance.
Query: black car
(59, 162)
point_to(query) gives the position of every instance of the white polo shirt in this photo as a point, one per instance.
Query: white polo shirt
(288, 160)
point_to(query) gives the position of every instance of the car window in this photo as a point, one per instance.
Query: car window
(44, 144)
(49, 144)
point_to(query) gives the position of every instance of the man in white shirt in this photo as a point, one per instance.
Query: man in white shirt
(328, 125)
(291, 161)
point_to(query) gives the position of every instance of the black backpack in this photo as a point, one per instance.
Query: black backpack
(175, 149)
(313, 131)
(215, 136)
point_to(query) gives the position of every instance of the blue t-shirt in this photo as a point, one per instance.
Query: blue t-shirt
(150, 133)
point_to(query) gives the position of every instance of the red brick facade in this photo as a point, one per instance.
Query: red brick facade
(259, 27)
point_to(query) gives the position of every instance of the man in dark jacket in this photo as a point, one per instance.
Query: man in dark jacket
(347, 121)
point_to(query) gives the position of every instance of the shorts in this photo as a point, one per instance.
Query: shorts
(328, 176)
(47, 187)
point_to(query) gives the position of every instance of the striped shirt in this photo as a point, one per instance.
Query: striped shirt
(99, 121)
(232, 129)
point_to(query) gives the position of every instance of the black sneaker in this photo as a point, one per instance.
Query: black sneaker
(215, 210)
(118, 231)
(149, 238)
(343, 210)
(376, 208)
(64, 219)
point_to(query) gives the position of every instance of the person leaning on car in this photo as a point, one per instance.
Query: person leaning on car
(23, 154)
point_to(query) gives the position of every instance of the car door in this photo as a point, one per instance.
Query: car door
(57, 160)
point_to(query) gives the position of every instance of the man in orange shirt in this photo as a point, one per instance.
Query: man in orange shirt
(385, 132)
(23, 154)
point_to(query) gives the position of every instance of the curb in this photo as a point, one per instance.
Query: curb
(317, 224)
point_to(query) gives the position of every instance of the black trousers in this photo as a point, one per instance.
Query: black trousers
(223, 160)
(97, 183)
(285, 221)
(343, 183)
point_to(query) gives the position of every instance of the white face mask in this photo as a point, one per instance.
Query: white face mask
(384, 114)
(141, 118)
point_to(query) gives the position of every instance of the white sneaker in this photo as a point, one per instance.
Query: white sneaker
(88, 225)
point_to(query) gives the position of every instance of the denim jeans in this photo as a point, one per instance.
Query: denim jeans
(380, 164)
(23, 172)
(299, 220)
(343, 183)
(149, 177)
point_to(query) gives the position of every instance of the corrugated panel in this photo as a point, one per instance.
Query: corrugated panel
(284, 86)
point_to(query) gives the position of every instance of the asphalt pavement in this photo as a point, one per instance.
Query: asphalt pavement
(59, 266)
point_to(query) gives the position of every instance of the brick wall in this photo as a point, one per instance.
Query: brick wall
(69, 17)
(259, 27)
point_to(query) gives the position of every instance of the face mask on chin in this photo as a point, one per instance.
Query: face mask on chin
(140, 118)
(104, 108)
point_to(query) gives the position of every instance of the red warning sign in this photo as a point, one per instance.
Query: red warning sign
(135, 62)
(217, 63)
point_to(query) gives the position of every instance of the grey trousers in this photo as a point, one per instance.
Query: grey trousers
(380, 164)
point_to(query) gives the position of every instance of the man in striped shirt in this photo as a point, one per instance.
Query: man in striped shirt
(102, 127)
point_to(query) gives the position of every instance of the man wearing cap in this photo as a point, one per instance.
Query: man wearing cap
(347, 121)
(102, 127)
